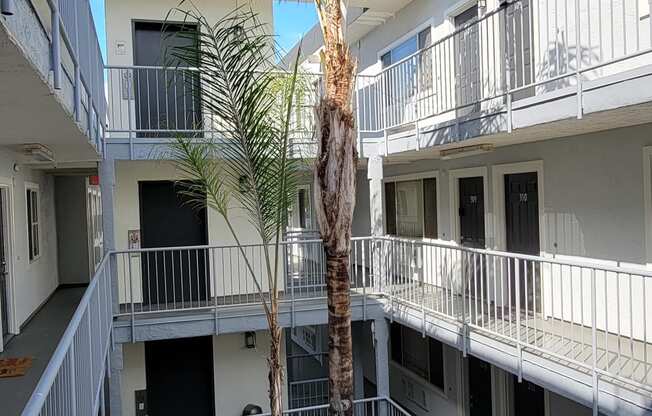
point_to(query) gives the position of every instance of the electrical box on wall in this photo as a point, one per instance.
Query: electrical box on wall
(141, 402)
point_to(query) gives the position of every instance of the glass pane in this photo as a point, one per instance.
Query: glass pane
(430, 207)
(409, 209)
(390, 208)
(34, 206)
(425, 38)
(405, 49)
(386, 59)
(436, 363)
(415, 349)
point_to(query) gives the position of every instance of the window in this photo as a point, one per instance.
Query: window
(422, 356)
(406, 48)
(411, 208)
(305, 220)
(33, 223)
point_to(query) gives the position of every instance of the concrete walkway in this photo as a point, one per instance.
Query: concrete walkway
(38, 339)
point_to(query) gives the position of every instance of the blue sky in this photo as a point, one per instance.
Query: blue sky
(291, 21)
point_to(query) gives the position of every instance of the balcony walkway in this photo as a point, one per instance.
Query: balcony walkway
(621, 360)
(38, 339)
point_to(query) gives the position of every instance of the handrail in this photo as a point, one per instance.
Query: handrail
(66, 344)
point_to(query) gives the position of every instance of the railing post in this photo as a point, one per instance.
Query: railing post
(519, 348)
(508, 77)
(56, 46)
(463, 296)
(77, 70)
(215, 314)
(578, 59)
(364, 281)
(416, 103)
(594, 343)
(359, 114)
(73, 384)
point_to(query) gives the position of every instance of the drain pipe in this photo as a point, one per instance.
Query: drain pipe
(7, 7)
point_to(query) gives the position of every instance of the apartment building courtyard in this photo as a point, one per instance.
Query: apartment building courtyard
(501, 238)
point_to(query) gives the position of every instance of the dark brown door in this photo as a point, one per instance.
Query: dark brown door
(480, 397)
(167, 220)
(522, 235)
(522, 211)
(529, 399)
(471, 212)
(467, 65)
(179, 375)
(4, 273)
(166, 102)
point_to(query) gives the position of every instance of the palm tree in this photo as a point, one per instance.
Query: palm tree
(335, 183)
(230, 68)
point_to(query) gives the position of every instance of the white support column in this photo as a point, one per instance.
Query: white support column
(107, 187)
(115, 381)
(375, 176)
(381, 347)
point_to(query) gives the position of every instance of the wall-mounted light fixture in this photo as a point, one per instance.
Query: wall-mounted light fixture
(250, 339)
(7, 7)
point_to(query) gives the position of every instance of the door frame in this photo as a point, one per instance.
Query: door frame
(647, 203)
(499, 172)
(7, 218)
(454, 177)
(465, 408)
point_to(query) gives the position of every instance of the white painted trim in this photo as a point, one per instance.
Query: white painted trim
(33, 187)
(499, 172)
(454, 195)
(430, 22)
(647, 203)
(458, 8)
(415, 177)
(8, 220)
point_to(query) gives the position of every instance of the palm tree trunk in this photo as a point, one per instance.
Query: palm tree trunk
(335, 176)
(340, 359)
(275, 368)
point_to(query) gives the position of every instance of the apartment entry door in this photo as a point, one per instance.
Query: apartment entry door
(471, 212)
(480, 395)
(178, 277)
(522, 234)
(179, 376)
(166, 102)
(4, 270)
(467, 65)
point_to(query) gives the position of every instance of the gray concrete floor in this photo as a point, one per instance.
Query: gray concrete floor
(38, 339)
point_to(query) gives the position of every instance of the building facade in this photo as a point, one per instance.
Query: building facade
(502, 232)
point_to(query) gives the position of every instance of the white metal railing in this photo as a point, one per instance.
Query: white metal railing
(377, 406)
(213, 277)
(73, 381)
(163, 102)
(591, 316)
(307, 393)
(75, 58)
(520, 50)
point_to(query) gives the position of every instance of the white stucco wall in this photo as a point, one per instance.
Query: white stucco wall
(120, 15)
(30, 282)
(240, 374)
(593, 210)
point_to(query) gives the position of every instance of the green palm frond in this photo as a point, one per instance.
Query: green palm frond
(230, 66)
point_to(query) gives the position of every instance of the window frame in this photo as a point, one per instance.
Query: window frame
(32, 189)
(430, 23)
(417, 177)
(426, 381)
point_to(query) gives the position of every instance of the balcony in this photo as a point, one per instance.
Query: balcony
(581, 329)
(55, 72)
(518, 67)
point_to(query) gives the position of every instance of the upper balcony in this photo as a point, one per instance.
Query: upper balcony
(573, 66)
(52, 81)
